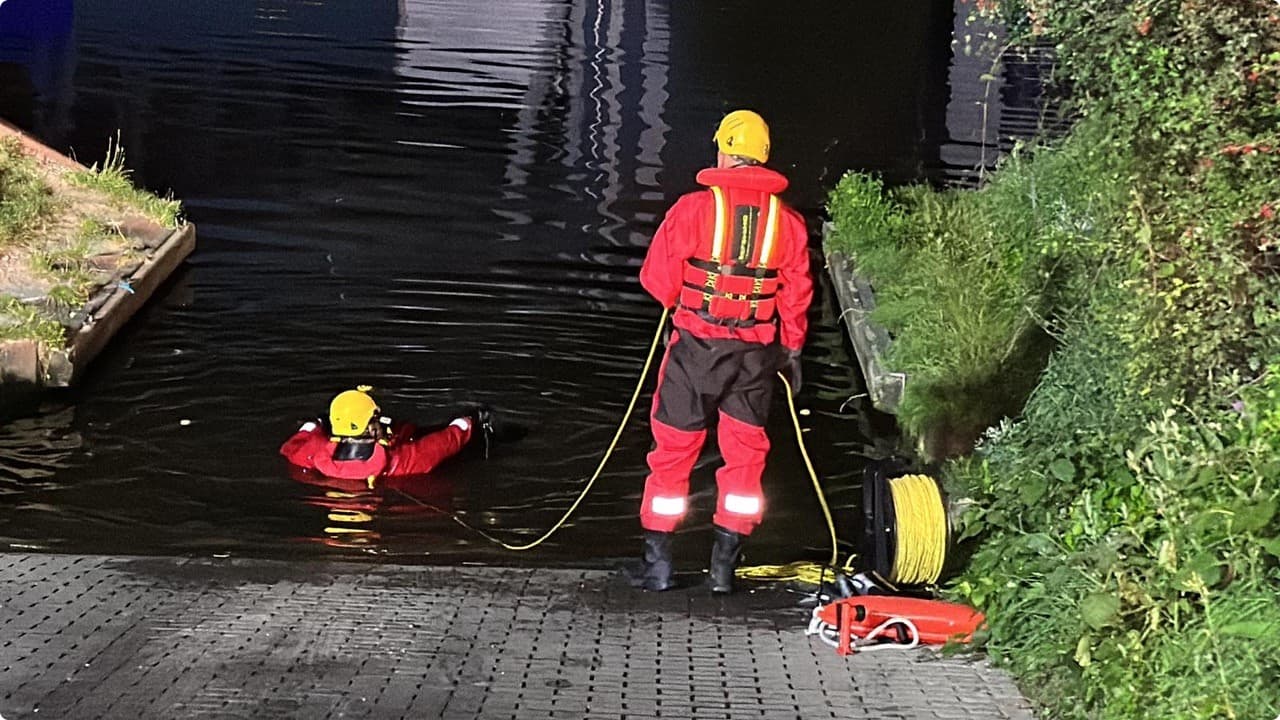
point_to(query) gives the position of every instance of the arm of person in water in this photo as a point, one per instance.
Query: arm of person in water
(302, 446)
(413, 456)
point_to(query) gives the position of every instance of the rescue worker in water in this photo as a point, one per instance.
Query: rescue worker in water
(361, 444)
(733, 262)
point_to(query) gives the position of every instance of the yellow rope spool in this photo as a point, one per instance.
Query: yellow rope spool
(920, 532)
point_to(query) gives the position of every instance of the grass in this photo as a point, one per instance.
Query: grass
(972, 285)
(112, 180)
(20, 321)
(60, 238)
(26, 200)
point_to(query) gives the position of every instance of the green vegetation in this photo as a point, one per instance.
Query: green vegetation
(19, 321)
(1124, 522)
(26, 201)
(973, 284)
(60, 237)
(112, 180)
(67, 265)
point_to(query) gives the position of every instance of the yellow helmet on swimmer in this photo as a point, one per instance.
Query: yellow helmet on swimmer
(744, 133)
(351, 411)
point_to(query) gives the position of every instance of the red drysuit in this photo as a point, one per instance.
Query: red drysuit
(407, 453)
(734, 263)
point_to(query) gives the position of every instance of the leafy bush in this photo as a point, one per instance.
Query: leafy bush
(1124, 524)
(1130, 573)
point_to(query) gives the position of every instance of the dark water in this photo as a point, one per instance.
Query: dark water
(448, 200)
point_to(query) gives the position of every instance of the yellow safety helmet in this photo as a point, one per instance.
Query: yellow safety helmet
(351, 411)
(745, 134)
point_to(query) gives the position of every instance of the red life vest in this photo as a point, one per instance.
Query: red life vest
(351, 469)
(729, 281)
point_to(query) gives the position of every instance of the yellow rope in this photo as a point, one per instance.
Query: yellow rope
(805, 572)
(920, 530)
(631, 406)
(921, 519)
(813, 474)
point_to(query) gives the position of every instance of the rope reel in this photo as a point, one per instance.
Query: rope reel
(905, 525)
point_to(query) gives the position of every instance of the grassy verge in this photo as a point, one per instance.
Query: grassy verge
(1125, 494)
(26, 200)
(61, 238)
(974, 286)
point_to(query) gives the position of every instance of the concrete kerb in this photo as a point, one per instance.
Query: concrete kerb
(20, 373)
(27, 367)
(122, 301)
(870, 340)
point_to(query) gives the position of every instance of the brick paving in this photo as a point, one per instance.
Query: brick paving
(102, 637)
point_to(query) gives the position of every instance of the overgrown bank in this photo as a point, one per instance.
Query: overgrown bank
(1116, 293)
(66, 232)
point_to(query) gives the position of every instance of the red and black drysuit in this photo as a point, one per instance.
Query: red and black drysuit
(405, 453)
(733, 261)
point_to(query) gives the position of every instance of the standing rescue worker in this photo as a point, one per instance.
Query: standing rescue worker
(360, 444)
(733, 262)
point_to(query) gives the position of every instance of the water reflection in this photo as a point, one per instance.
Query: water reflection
(34, 449)
(353, 516)
(36, 61)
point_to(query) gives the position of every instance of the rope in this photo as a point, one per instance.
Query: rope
(921, 530)
(813, 475)
(806, 572)
(631, 406)
(810, 573)
(830, 634)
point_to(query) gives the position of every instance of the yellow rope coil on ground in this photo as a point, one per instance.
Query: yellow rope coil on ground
(920, 530)
(802, 571)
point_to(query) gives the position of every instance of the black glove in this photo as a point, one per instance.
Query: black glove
(791, 369)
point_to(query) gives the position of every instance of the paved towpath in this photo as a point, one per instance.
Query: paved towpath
(101, 637)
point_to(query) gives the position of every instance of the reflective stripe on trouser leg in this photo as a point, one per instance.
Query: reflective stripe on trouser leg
(744, 447)
(670, 463)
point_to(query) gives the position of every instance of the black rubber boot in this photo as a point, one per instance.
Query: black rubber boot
(724, 559)
(655, 572)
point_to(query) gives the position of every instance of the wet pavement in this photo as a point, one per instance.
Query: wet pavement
(102, 637)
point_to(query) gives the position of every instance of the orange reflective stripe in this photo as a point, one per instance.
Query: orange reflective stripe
(717, 240)
(770, 231)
